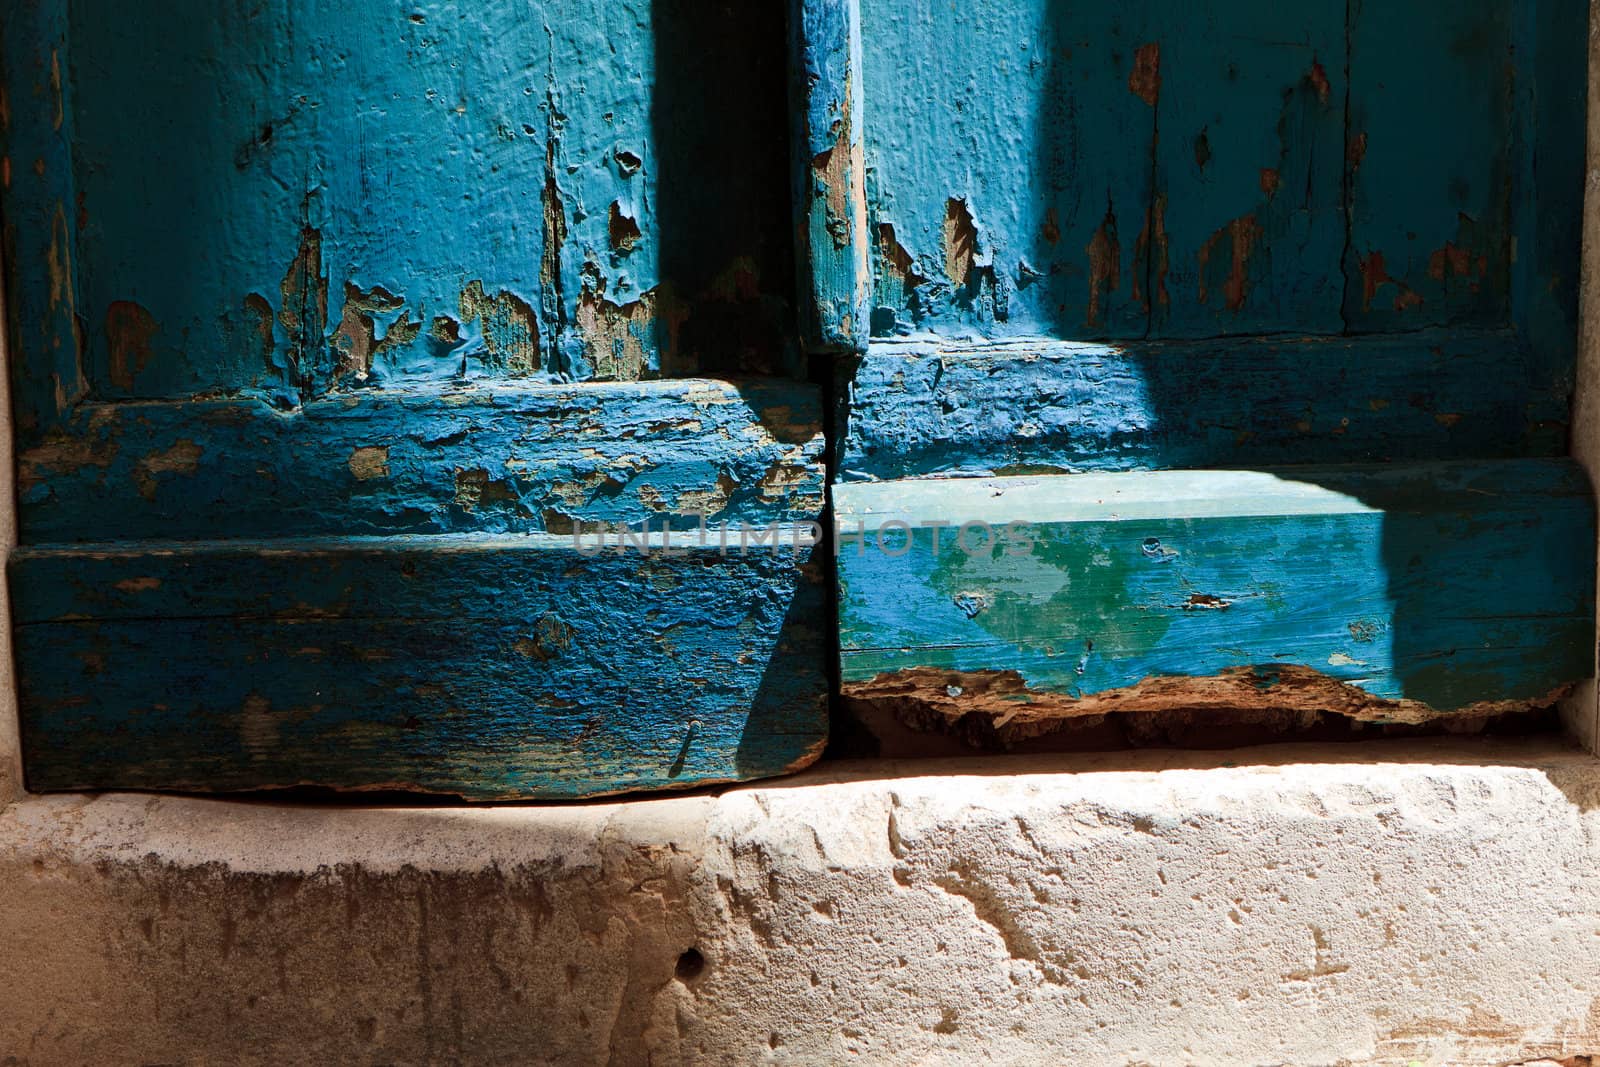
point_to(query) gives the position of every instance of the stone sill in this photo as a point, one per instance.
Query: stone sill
(1431, 901)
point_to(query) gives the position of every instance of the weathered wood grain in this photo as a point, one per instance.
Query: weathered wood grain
(1431, 158)
(1248, 227)
(829, 168)
(1010, 147)
(39, 216)
(921, 408)
(485, 667)
(492, 458)
(1416, 589)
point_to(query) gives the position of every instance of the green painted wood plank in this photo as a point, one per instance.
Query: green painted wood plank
(1431, 109)
(1435, 586)
(1009, 148)
(489, 668)
(1249, 224)
(486, 458)
(919, 408)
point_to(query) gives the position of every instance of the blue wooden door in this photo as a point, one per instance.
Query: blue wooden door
(1210, 357)
(1207, 357)
(338, 332)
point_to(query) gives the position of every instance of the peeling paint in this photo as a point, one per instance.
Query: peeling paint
(1356, 151)
(900, 266)
(832, 170)
(182, 458)
(372, 320)
(1375, 275)
(960, 242)
(1152, 255)
(129, 331)
(1144, 81)
(510, 329)
(1105, 265)
(1318, 78)
(616, 337)
(1455, 261)
(303, 311)
(476, 490)
(63, 454)
(1050, 229)
(551, 639)
(369, 462)
(1241, 236)
(623, 229)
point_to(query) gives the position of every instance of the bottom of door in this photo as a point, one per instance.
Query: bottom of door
(479, 666)
(1393, 594)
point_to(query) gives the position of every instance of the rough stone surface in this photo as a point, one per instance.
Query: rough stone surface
(1379, 903)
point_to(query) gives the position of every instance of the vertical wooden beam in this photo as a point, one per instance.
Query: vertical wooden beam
(829, 174)
(38, 211)
(1581, 711)
(1548, 57)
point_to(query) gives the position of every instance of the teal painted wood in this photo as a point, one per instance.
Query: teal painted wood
(39, 215)
(923, 408)
(1443, 585)
(1009, 152)
(485, 667)
(1431, 142)
(1313, 168)
(487, 458)
(295, 199)
(829, 174)
(1550, 53)
(1249, 222)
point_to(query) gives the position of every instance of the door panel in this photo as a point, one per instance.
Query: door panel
(501, 458)
(1249, 169)
(1385, 593)
(1010, 165)
(482, 667)
(1357, 251)
(1435, 82)
(931, 408)
(307, 296)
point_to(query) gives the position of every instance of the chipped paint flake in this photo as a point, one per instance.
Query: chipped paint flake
(960, 242)
(1144, 81)
(182, 458)
(129, 331)
(1105, 266)
(510, 329)
(1241, 237)
(369, 462)
(617, 337)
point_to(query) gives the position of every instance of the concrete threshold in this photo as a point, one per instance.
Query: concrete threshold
(1431, 901)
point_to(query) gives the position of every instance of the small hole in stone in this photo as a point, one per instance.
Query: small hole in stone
(691, 965)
